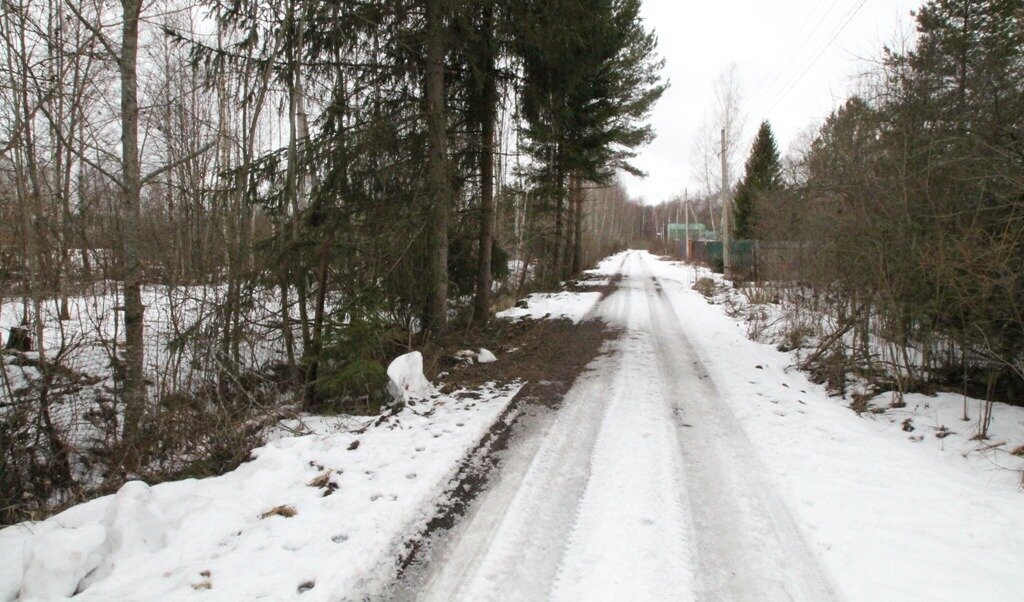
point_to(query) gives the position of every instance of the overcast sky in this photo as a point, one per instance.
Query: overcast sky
(772, 44)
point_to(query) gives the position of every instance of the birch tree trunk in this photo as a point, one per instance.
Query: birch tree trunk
(131, 184)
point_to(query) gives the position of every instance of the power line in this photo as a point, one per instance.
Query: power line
(785, 50)
(796, 53)
(744, 120)
(793, 82)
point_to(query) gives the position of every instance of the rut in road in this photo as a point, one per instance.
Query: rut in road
(641, 485)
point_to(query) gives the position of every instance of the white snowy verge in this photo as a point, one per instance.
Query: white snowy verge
(935, 422)
(323, 515)
(573, 306)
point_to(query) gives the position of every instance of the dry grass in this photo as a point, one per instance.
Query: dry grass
(321, 480)
(285, 511)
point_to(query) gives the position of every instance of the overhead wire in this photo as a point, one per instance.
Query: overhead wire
(821, 52)
(796, 53)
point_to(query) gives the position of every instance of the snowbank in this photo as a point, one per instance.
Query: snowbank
(573, 306)
(323, 514)
(406, 380)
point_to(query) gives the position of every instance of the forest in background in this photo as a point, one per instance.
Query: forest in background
(217, 212)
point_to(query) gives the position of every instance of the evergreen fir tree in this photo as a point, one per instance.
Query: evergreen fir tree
(763, 175)
(590, 79)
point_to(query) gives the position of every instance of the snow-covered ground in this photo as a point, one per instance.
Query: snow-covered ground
(569, 305)
(892, 514)
(691, 462)
(320, 515)
(688, 462)
(934, 421)
(183, 330)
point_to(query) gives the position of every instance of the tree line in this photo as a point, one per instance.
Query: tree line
(902, 218)
(293, 189)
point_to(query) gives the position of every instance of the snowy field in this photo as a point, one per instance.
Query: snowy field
(177, 319)
(184, 328)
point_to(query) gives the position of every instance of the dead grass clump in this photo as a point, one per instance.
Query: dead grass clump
(321, 480)
(760, 295)
(282, 510)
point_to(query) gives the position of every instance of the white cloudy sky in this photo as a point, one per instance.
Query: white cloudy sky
(771, 43)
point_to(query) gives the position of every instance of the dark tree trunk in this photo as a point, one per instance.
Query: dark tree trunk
(319, 308)
(559, 191)
(577, 230)
(437, 168)
(488, 99)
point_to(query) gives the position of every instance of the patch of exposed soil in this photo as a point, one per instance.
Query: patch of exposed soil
(530, 350)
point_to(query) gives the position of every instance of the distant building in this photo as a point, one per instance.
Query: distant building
(678, 231)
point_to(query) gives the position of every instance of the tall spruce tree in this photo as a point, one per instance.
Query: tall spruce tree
(763, 176)
(587, 89)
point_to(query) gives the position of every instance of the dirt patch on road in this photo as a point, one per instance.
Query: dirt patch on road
(535, 351)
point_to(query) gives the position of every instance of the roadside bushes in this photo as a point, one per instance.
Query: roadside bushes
(705, 286)
(911, 211)
(61, 444)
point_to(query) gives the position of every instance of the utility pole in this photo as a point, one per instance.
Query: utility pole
(686, 211)
(675, 217)
(726, 259)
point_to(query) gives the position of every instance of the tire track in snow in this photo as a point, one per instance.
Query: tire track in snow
(747, 545)
(630, 539)
(641, 486)
(510, 545)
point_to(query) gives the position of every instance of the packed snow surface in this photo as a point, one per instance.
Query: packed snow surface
(323, 515)
(690, 462)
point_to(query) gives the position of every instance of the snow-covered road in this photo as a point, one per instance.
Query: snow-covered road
(687, 462)
(641, 486)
